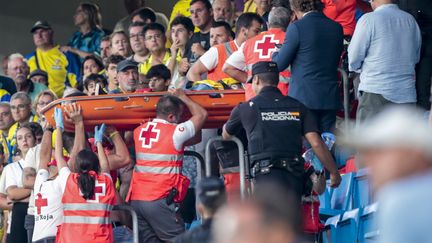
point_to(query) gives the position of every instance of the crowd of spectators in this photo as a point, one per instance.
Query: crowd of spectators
(203, 45)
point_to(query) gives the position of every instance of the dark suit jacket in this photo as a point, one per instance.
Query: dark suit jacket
(313, 46)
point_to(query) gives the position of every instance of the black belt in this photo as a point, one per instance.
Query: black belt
(294, 165)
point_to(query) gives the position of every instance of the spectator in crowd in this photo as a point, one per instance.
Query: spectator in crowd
(266, 217)
(111, 71)
(39, 76)
(155, 40)
(157, 218)
(159, 77)
(143, 15)
(22, 114)
(18, 70)
(223, 11)
(182, 30)
(261, 7)
(202, 17)
(260, 48)
(132, 6)
(180, 8)
(313, 62)
(127, 77)
(220, 32)
(120, 44)
(248, 25)
(86, 41)
(43, 99)
(95, 84)
(6, 121)
(275, 141)
(395, 146)
(80, 191)
(342, 12)
(384, 58)
(105, 48)
(63, 68)
(211, 196)
(137, 42)
(7, 83)
(14, 185)
(91, 65)
(4, 96)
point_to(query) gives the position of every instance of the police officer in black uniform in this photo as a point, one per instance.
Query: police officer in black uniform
(275, 125)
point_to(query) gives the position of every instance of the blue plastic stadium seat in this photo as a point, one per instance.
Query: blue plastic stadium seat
(340, 198)
(368, 230)
(361, 189)
(346, 229)
(329, 233)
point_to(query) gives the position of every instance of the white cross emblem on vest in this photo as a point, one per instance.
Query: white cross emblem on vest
(99, 191)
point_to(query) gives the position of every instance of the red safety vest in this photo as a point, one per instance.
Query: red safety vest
(224, 51)
(87, 220)
(158, 164)
(261, 48)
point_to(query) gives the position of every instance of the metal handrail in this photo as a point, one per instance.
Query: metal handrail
(345, 84)
(241, 161)
(134, 220)
(200, 162)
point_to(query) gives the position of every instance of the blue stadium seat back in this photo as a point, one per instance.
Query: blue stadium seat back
(362, 195)
(342, 154)
(346, 229)
(325, 199)
(329, 232)
(368, 230)
(341, 196)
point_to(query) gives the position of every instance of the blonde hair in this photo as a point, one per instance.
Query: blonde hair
(45, 92)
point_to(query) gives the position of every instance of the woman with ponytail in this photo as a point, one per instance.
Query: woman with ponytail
(88, 194)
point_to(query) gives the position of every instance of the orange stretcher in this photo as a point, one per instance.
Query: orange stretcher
(127, 111)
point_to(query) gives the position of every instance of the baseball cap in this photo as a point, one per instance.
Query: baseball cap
(40, 24)
(394, 127)
(209, 189)
(38, 72)
(263, 67)
(126, 64)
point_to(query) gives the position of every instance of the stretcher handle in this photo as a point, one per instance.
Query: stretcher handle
(241, 161)
(134, 219)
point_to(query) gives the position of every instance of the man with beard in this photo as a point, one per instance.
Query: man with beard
(127, 77)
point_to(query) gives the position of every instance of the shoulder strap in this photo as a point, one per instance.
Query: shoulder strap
(37, 60)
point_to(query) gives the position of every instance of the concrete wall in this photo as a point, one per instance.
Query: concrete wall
(17, 17)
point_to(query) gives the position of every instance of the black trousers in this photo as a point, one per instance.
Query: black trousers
(288, 181)
(18, 233)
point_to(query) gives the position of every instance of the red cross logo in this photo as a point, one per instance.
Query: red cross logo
(40, 202)
(266, 46)
(149, 135)
(99, 190)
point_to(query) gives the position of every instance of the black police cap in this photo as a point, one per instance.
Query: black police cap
(263, 67)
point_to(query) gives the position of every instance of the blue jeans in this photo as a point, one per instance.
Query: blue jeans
(122, 234)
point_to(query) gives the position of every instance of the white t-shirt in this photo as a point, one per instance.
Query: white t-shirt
(183, 132)
(210, 59)
(13, 173)
(11, 176)
(32, 160)
(237, 59)
(48, 212)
